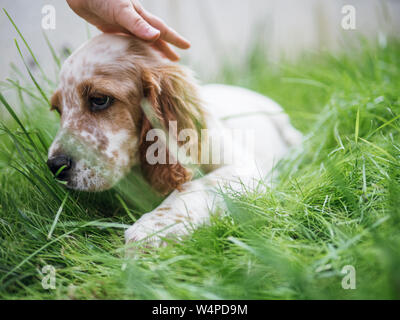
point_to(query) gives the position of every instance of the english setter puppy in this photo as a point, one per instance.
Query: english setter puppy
(118, 100)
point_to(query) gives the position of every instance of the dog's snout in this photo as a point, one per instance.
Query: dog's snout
(56, 163)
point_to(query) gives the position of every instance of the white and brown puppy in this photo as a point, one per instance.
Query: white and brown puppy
(106, 129)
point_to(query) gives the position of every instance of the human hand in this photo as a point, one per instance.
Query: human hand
(129, 16)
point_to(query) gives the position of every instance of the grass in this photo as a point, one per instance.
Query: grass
(336, 202)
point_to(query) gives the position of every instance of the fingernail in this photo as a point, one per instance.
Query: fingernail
(152, 32)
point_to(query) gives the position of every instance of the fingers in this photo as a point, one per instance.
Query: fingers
(167, 34)
(129, 19)
(166, 50)
(146, 26)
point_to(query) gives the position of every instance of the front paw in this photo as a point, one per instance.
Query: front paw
(144, 236)
(154, 229)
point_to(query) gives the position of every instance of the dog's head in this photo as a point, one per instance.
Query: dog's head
(103, 127)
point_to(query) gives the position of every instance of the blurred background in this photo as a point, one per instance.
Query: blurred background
(222, 31)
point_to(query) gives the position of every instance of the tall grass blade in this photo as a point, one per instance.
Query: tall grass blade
(357, 129)
(53, 226)
(26, 44)
(53, 52)
(15, 117)
(31, 75)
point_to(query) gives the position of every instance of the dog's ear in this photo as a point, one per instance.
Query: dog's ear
(173, 96)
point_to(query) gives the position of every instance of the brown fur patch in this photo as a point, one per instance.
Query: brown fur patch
(174, 97)
(55, 101)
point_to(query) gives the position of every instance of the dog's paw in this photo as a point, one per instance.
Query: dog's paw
(143, 236)
(153, 230)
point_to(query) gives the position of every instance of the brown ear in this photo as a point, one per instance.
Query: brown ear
(173, 96)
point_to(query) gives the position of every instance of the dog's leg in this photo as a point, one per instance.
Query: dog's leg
(183, 210)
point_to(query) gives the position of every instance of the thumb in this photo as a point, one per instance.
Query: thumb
(135, 24)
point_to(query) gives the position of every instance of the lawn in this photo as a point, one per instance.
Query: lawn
(336, 201)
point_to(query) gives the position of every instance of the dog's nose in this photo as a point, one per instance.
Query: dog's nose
(58, 162)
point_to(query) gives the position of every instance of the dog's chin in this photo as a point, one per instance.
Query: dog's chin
(91, 188)
(84, 184)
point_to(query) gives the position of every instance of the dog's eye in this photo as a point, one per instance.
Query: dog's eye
(98, 103)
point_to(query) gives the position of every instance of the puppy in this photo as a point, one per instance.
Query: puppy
(121, 104)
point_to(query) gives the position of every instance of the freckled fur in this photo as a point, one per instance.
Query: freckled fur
(128, 70)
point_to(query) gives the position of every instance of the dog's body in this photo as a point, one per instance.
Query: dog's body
(100, 100)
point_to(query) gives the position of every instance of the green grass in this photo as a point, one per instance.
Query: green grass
(336, 203)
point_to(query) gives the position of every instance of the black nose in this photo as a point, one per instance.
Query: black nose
(56, 163)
